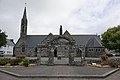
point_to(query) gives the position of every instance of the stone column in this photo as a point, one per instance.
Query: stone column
(71, 59)
(83, 56)
(51, 56)
(38, 56)
(71, 55)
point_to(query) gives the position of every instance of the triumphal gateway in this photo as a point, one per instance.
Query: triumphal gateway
(62, 45)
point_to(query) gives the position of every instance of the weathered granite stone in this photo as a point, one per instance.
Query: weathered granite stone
(38, 56)
(51, 57)
(71, 59)
(83, 56)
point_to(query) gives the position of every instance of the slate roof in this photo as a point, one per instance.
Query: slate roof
(82, 39)
(10, 42)
(31, 40)
(34, 40)
(93, 42)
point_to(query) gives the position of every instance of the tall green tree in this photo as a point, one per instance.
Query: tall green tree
(111, 38)
(3, 37)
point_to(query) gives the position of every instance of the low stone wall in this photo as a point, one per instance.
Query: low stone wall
(93, 60)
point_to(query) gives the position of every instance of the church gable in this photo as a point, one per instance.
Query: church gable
(20, 42)
(49, 37)
(93, 42)
(68, 35)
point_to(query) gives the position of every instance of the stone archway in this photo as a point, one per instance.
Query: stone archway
(61, 42)
(63, 45)
(60, 45)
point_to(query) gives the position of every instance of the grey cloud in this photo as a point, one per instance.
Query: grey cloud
(77, 16)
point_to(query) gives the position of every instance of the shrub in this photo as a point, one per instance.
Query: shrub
(18, 60)
(104, 59)
(12, 62)
(114, 62)
(25, 62)
(15, 61)
(8, 64)
(20, 57)
(4, 61)
(21, 63)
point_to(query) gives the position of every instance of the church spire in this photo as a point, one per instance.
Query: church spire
(24, 15)
(24, 24)
(60, 29)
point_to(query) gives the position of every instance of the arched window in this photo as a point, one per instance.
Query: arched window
(23, 48)
(35, 50)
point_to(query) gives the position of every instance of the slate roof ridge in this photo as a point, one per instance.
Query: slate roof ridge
(36, 35)
(40, 35)
(71, 35)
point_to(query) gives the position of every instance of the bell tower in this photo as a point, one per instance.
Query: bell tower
(23, 31)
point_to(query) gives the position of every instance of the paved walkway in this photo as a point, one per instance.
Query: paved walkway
(114, 76)
(59, 70)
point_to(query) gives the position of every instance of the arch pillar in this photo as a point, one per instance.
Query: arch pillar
(83, 56)
(38, 56)
(50, 55)
(71, 53)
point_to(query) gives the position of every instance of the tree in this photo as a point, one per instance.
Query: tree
(111, 38)
(3, 37)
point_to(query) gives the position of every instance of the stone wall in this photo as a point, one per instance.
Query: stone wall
(30, 52)
(43, 52)
(94, 52)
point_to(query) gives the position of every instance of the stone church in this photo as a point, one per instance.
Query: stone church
(61, 45)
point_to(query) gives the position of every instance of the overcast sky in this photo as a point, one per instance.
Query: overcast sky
(45, 16)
